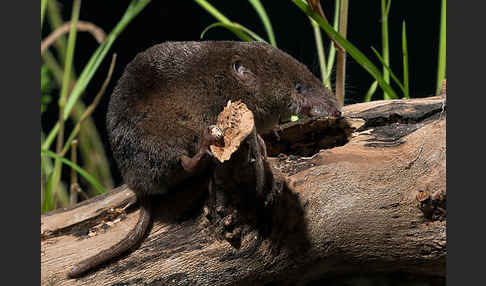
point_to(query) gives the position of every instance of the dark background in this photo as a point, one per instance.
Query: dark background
(465, 247)
(185, 20)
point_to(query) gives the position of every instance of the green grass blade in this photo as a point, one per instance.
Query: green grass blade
(133, 10)
(59, 198)
(70, 53)
(213, 11)
(46, 171)
(320, 53)
(54, 68)
(56, 175)
(96, 185)
(441, 69)
(265, 20)
(332, 48)
(385, 8)
(234, 27)
(357, 55)
(371, 91)
(43, 10)
(89, 137)
(55, 21)
(395, 79)
(48, 197)
(405, 60)
(219, 16)
(341, 56)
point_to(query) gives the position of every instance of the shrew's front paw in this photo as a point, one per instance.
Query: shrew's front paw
(212, 136)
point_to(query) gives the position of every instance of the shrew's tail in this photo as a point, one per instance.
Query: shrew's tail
(128, 242)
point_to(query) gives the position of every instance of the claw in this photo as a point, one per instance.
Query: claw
(263, 147)
(208, 151)
(275, 130)
(213, 135)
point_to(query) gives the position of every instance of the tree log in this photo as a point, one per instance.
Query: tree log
(362, 194)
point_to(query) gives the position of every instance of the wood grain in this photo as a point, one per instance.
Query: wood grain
(356, 206)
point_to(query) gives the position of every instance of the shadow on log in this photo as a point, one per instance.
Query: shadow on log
(363, 194)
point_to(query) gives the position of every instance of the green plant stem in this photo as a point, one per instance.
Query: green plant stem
(78, 169)
(341, 58)
(257, 5)
(441, 69)
(90, 108)
(249, 35)
(405, 61)
(320, 53)
(60, 196)
(67, 71)
(53, 66)
(400, 85)
(95, 160)
(385, 7)
(73, 196)
(371, 91)
(46, 168)
(55, 21)
(133, 10)
(43, 10)
(357, 55)
(220, 17)
(332, 48)
(343, 18)
(56, 176)
(92, 150)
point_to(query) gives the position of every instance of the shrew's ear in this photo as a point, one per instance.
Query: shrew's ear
(241, 71)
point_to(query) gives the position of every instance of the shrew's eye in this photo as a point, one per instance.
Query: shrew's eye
(298, 87)
(237, 67)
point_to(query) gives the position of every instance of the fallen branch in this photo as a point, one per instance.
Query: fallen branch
(357, 207)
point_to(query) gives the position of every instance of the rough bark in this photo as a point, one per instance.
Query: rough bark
(373, 201)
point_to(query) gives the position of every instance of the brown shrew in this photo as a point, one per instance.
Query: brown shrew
(162, 109)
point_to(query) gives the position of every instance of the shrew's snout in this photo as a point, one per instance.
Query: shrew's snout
(323, 110)
(314, 106)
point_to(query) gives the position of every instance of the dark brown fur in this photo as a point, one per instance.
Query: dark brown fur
(169, 94)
